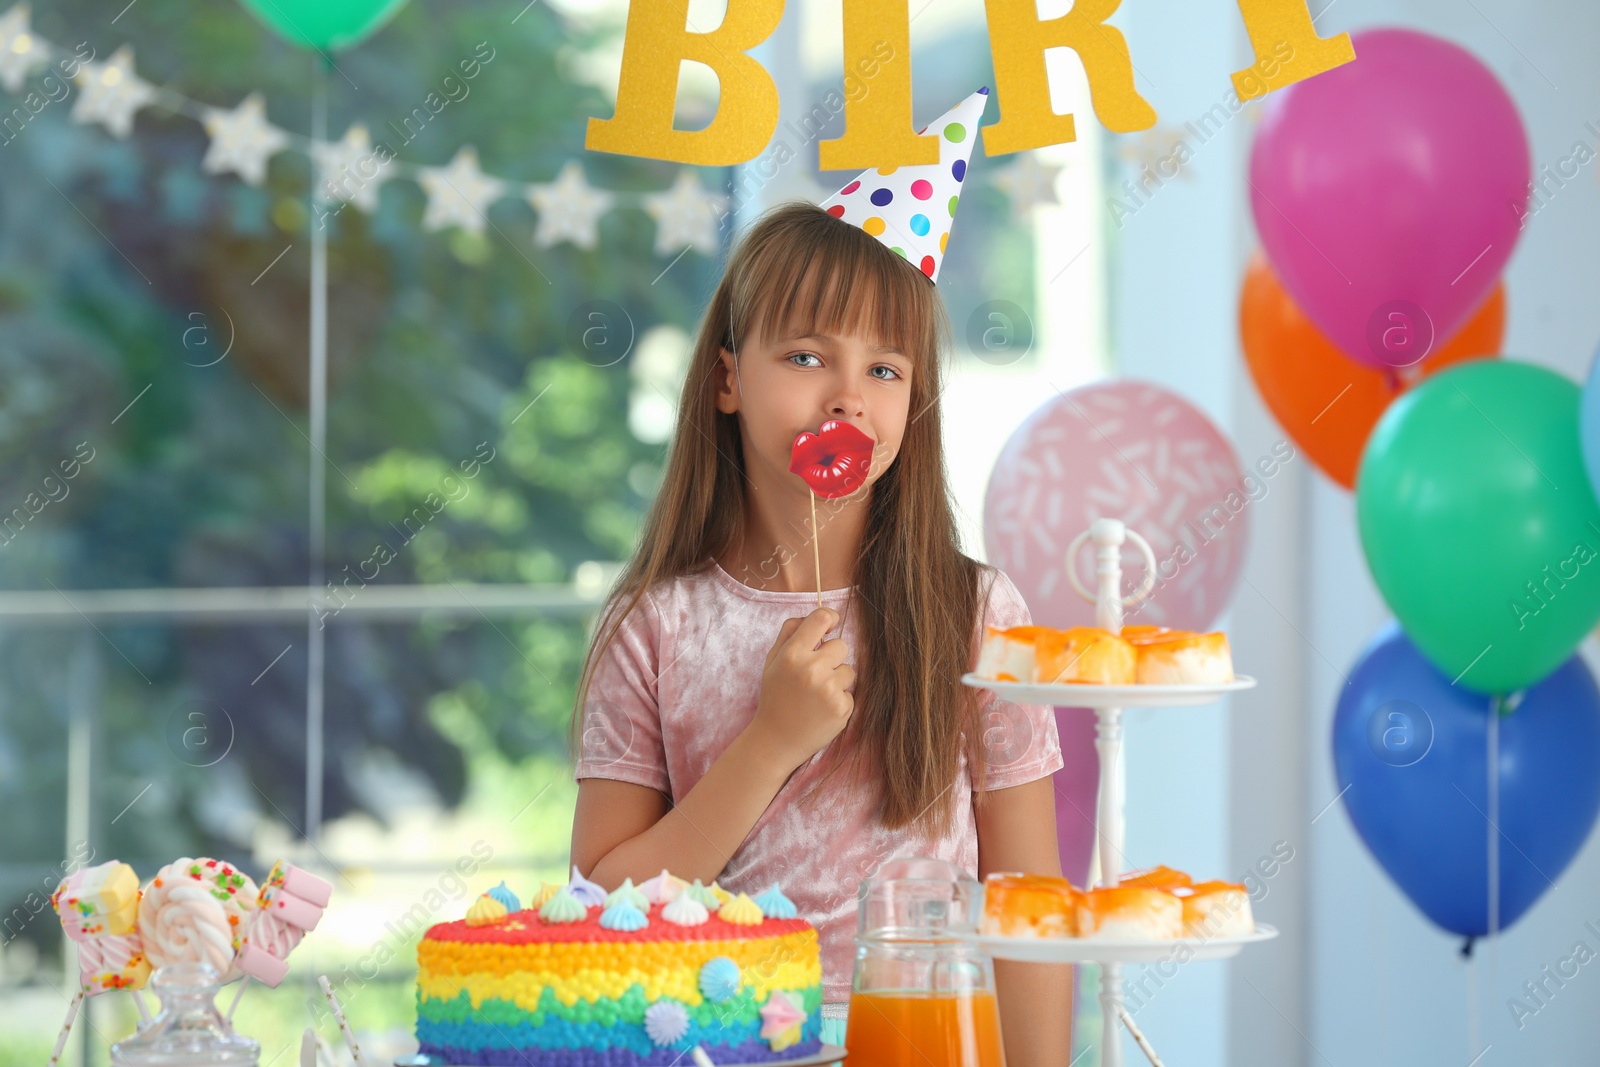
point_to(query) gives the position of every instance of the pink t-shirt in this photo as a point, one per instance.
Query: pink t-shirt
(681, 680)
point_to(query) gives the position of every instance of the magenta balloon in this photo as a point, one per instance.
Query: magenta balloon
(1133, 451)
(1389, 193)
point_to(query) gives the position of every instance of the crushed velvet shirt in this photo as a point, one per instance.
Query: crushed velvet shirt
(681, 680)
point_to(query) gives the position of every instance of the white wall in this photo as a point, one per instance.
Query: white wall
(1386, 987)
(1359, 977)
(1206, 788)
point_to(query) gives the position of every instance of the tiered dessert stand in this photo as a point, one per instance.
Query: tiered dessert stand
(1108, 702)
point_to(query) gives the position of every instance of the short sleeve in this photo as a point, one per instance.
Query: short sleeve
(1020, 740)
(621, 735)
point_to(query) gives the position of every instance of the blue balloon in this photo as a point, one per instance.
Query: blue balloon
(1411, 752)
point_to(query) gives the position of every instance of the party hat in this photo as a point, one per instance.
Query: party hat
(911, 209)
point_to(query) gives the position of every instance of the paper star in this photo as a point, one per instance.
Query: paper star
(1028, 182)
(112, 92)
(19, 51)
(349, 169)
(459, 193)
(1163, 149)
(568, 208)
(242, 140)
(686, 215)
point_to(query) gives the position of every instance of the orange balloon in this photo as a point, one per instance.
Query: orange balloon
(1326, 402)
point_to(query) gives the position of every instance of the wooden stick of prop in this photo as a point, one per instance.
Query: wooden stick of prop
(816, 543)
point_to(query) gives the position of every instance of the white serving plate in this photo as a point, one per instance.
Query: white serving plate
(1097, 950)
(1075, 695)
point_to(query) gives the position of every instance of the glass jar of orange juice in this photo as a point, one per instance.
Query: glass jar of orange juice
(922, 995)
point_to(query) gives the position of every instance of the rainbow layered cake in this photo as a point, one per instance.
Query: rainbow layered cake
(639, 975)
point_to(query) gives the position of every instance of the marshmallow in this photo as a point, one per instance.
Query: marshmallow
(98, 900)
(292, 902)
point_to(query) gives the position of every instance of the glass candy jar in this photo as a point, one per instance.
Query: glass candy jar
(189, 1031)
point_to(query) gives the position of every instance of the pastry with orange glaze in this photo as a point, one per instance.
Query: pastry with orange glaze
(1216, 909)
(1029, 905)
(1041, 655)
(1180, 657)
(1130, 913)
(1084, 654)
(1164, 878)
(1007, 655)
(1143, 634)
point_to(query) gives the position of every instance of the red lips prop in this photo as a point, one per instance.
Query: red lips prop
(834, 461)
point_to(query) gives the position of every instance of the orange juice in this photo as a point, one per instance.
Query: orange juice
(900, 1030)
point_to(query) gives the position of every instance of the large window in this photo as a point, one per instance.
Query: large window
(197, 657)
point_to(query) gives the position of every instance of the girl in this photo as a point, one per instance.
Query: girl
(722, 733)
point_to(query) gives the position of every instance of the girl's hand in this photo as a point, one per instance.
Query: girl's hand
(805, 690)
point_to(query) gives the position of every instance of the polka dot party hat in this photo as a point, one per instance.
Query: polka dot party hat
(911, 209)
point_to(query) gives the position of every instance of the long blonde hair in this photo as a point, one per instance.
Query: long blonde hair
(915, 592)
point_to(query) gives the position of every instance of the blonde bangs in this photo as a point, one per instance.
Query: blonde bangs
(814, 274)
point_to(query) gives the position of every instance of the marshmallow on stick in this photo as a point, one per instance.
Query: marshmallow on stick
(833, 462)
(98, 907)
(98, 900)
(98, 912)
(112, 961)
(292, 901)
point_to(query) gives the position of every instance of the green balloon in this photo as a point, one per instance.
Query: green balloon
(325, 24)
(1479, 524)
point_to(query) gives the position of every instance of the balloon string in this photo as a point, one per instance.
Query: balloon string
(1493, 761)
(1466, 947)
(1474, 1020)
(1494, 841)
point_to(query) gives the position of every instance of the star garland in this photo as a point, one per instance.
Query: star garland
(351, 170)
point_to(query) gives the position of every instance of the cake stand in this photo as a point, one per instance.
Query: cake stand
(1109, 535)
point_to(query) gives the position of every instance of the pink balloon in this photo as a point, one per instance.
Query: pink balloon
(1389, 193)
(1126, 450)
